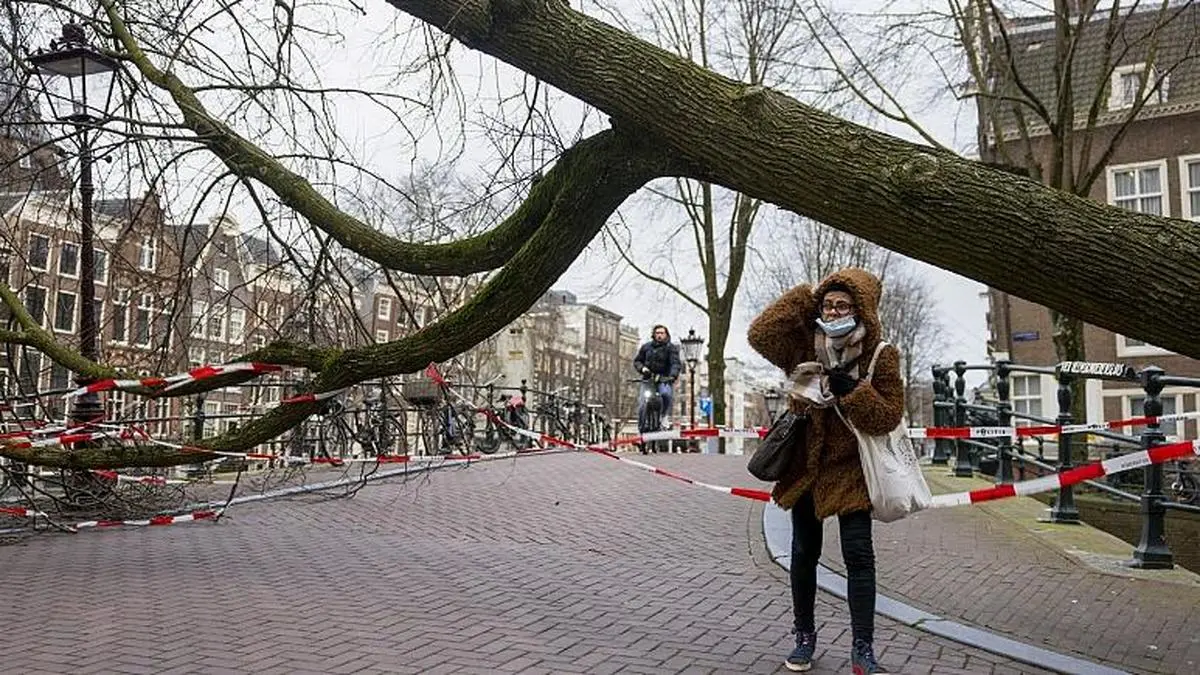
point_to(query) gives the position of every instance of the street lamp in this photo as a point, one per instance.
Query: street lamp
(691, 354)
(774, 402)
(78, 82)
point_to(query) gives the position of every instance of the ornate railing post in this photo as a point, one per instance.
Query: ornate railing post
(1064, 509)
(962, 451)
(941, 394)
(1152, 551)
(1004, 448)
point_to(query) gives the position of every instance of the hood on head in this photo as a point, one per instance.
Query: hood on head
(866, 290)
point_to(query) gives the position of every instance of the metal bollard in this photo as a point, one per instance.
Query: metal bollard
(1152, 551)
(1064, 509)
(962, 451)
(1004, 448)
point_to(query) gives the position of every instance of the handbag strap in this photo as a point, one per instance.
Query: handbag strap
(875, 357)
(870, 373)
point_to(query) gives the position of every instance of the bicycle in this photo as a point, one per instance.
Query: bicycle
(1185, 488)
(650, 413)
(380, 432)
(499, 421)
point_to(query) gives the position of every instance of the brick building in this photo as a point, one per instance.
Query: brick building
(1142, 85)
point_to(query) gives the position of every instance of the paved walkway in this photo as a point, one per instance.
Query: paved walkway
(562, 563)
(1060, 587)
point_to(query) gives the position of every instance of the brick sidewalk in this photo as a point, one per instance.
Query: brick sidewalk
(993, 565)
(566, 563)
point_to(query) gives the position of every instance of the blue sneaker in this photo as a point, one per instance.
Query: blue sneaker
(862, 659)
(800, 659)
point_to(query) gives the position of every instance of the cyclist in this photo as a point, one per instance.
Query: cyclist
(658, 357)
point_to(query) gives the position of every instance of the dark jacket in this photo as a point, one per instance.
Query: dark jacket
(662, 358)
(828, 465)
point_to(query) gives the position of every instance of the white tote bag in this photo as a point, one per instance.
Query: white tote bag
(889, 463)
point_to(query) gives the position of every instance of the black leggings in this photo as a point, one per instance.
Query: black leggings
(859, 555)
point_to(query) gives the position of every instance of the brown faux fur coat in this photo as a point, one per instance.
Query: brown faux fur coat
(828, 464)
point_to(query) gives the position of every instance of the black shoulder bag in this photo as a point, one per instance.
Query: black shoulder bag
(771, 458)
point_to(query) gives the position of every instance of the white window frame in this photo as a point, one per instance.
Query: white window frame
(1014, 398)
(196, 355)
(1116, 99)
(237, 325)
(381, 336)
(1176, 394)
(1126, 349)
(120, 304)
(220, 279)
(45, 317)
(199, 320)
(145, 304)
(1185, 190)
(221, 314)
(384, 311)
(74, 312)
(148, 254)
(1165, 182)
(97, 254)
(78, 263)
(25, 161)
(29, 251)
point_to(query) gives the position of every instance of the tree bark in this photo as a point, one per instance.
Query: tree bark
(1003, 230)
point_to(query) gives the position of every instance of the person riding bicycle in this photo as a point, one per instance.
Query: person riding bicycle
(658, 357)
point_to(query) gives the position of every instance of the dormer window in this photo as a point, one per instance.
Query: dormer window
(1127, 84)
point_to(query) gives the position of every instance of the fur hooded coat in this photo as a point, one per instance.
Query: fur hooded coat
(827, 464)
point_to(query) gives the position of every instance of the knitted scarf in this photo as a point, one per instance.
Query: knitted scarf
(809, 380)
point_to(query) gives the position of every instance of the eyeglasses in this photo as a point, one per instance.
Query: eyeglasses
(838, 307)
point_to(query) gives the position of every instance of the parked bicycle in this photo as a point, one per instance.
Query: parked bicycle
(497, 426)
(1182, 480)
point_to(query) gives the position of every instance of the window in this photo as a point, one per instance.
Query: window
(162, 328)
(5, 263)
(1169, 407)
(1026, 396)
(381, 336)
(120, 327)
(237, 326)
(211, 410)
(148, 254)
(199, 309)
(114, 404)
(217, 323)
(260, 341)
(1126, 86)
(221, 280)
(1189, 186)
(141, 321)
(60, 377)
(30, 374)
(263, 308)
(195, 356)
(68, 260)
(98, 316)
(1139, 188)
(64, 312)
(35, 304)
(25, 161)
(100, 266)
(1127, 346)
(39, 252)
(385, 309)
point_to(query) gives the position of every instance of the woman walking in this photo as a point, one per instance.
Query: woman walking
(824, 339)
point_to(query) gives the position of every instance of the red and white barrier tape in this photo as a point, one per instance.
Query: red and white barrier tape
(1079, 474)
(1044, 430)
(194, 516)
(176, 381)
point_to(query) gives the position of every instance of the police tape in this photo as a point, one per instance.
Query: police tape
(1044, 430)
(193, 516)
(173, 382)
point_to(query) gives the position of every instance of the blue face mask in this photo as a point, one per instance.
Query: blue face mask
(838, 327)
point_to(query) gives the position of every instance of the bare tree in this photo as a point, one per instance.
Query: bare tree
(671, 118)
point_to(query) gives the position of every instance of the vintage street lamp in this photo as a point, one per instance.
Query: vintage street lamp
(691, 354)
(78, 81)
(774, 404)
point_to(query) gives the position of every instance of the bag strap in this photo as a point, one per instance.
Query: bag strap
(875, 357)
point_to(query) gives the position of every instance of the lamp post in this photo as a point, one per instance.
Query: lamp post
(774, 402)
(78, 81)
(691, 354)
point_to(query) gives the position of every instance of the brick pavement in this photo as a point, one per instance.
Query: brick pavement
(994, 566)
(566, 563)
